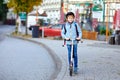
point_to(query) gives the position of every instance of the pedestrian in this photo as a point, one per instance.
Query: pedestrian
(19, 24)
(69, 32)
(81, 24)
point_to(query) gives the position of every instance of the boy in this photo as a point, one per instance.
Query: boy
(70, 33)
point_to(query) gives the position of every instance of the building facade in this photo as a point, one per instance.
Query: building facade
(52, 8)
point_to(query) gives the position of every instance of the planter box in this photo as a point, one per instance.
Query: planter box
(89, 35)
(101, 37)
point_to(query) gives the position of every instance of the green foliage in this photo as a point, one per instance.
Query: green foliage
(41, 22)
(3, 10)
(103, 31)
(23, 5)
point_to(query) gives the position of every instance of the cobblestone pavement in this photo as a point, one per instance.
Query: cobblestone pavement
(97, 61)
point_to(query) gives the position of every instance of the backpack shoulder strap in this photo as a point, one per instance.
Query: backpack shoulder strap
(63, 27)
(76, 30)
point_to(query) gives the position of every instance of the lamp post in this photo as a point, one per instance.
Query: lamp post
(61, 4)
(103, 12)
(40, 11)
(107, 15)
(61, 12)
(67, 5)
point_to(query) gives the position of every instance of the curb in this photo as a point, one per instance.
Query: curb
(56, 59)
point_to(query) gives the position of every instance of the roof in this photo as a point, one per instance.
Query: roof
(34, 13)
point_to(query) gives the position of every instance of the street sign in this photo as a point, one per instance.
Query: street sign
(97, 5)
(98, 9)
(97, 14)
(23, 16)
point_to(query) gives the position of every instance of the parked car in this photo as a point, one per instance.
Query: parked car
(52, 30)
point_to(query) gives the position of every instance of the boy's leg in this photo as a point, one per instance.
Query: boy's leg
(69, 53)
(75, 58)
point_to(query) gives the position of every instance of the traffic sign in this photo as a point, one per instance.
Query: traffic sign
(23, 16)
(97, 5)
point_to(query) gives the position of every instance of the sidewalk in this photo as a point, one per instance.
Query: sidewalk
(95, 63)
(97, 60)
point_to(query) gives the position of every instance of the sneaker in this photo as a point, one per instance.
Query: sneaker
(76, 70)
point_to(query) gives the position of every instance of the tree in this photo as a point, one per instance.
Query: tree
(23, 6)
(3, 11)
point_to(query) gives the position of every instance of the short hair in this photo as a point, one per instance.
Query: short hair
(70, 13)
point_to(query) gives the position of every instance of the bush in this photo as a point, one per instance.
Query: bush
(41, 22)
(103, 31)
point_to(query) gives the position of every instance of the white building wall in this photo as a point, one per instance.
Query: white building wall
(52, 8)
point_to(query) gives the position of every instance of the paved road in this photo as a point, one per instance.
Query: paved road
(5, 30)
(23, 60)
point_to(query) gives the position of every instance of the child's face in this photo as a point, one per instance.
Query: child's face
(70, 18)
